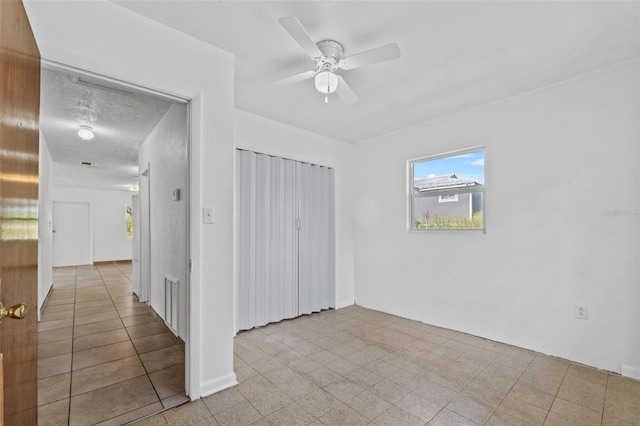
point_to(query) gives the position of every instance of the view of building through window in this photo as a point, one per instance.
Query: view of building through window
(447, 191)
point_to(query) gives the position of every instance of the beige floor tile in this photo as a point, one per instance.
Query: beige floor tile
(583, 392)
(241, 414)
(88, 319)
(343, 389)
(55, 365)
(523, 410)
(575, 414)
(52, 316)
(107, 307)
(319, 403)
(66, 308)
(94, 303)
(223, 400)
(58, 347)
(322, 376)
(162, 358)
(344, 416)
(102, 354)
(364, 378)
(175, 400)
(394, 416)
(269, 402)
(291, 415)
(587, 373)
(99, 339)
(168, 381)
(193, 413)
(131, 312)
(530, 394)
(369, 405)
(54, 388)
(501, 418)
(152, 343)
(98, 376)
(111, 401)
(133, 415)
(97, 327)
(146, 329)
(138, 320)
(54, 414)
(617, 413)
(55, 335)
(449, 418)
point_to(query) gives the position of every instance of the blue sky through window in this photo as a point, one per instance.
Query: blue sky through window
(466, 166)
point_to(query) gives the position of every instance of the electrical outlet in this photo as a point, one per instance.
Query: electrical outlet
(582, 312)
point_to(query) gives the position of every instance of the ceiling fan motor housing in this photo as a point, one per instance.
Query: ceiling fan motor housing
(332, 52)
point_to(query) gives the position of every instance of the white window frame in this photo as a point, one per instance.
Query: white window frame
(412, 195)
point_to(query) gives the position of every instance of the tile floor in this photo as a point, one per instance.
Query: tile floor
(102, 357)
(357, 366)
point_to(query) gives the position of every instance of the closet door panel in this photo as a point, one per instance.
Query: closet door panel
(246, 205)
(267, 239)
(316, 238)
(283, 241)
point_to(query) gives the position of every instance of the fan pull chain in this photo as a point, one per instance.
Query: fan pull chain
(326, 96)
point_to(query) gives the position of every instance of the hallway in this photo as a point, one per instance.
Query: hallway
(103, 358)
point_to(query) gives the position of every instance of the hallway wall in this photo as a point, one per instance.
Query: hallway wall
(165, 150)
(105, 38)
(108, 221)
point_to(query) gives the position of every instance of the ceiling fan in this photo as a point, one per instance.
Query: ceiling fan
(328, 56)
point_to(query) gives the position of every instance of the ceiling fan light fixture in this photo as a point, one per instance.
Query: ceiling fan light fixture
(326, 82)
(85, 133)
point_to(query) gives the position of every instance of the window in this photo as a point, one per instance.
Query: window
(128, 215)
(447, 191)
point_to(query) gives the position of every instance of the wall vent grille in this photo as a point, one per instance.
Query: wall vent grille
(171, 303)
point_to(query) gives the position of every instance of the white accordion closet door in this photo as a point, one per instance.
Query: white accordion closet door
(285, 239)
(316, 261)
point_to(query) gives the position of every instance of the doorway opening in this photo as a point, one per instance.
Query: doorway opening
(107, 318)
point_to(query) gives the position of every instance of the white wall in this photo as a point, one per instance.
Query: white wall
(108, 221)
(260, 134)
(45, 223)
(103, 37)
(165, 150)
(556, 161)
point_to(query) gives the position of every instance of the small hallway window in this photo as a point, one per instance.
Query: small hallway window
(447, 191)
(128, 214)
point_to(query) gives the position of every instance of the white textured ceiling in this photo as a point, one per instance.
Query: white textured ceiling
(121, 120)
(455, 55)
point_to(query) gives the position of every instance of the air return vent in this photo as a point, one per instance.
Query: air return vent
(171, 303)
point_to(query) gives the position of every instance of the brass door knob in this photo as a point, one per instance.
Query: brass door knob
(15, 312)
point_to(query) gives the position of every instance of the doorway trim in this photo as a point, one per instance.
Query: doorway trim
(192, 351)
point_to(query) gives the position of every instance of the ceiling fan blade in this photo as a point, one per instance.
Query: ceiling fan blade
(294, 78)
(373, 56)
(345, 93)
(300, 35)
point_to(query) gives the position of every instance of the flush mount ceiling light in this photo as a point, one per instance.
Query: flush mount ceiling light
(85, 133)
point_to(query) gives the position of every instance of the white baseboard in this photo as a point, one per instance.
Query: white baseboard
(218, 384)
(632, 372)
(345, 303)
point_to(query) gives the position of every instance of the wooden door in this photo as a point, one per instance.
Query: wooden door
(19, 140)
